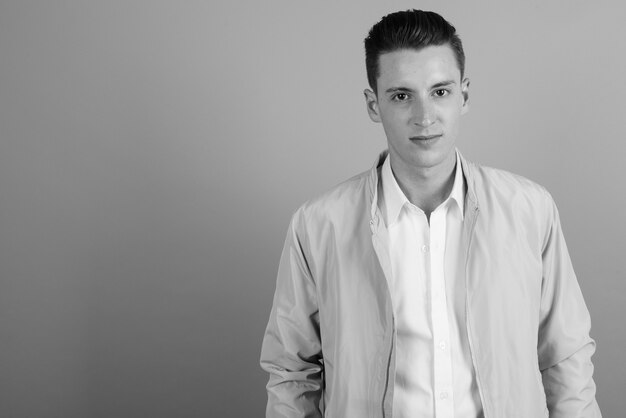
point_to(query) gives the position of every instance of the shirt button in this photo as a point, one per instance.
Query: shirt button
(443, 395)
(442, 345)
(424, 248)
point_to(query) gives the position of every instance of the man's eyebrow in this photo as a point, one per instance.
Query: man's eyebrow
(443, 84)
(398, 89)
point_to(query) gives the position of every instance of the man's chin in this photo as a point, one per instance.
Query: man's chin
(431, 158)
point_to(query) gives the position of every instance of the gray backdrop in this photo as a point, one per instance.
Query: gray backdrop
(152, 152)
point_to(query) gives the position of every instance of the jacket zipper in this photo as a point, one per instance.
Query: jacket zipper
(393, 327)
(467, 317)
(377, 249)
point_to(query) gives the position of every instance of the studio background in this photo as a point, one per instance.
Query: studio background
(152, 153)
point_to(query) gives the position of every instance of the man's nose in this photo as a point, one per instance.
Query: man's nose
(423, 114)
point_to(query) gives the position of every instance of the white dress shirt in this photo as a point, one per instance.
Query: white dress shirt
(434, 372)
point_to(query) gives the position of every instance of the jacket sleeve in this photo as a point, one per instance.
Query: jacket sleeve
(564, 345)
(291, 351)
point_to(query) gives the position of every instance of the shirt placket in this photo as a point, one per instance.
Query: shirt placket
(443, 383)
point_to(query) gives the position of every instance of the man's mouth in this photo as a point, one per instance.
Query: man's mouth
(424, 137)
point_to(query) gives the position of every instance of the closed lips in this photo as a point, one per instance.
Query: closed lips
(424, 137)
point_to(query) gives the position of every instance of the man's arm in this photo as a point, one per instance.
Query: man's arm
(291, 351)
(564, 347)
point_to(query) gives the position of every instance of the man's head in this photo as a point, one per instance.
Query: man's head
(415, 68)
(411, 29)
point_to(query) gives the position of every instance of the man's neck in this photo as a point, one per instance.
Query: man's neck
(426, 187)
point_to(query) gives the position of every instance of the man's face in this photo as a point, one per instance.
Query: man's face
(420, 100)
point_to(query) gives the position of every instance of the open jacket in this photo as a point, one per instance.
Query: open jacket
(330, 342)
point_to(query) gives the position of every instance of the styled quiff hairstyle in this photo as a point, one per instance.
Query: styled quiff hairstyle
(412, 29)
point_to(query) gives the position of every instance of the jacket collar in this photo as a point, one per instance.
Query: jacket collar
(374, 186)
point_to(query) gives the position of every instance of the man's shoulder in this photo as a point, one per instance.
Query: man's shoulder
(510, 189)
(348, 196)
(490, 179)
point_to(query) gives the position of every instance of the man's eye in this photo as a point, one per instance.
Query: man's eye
(441, 92)
(401, 97)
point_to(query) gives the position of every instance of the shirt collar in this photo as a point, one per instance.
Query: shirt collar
(394, 198)
(458, 188)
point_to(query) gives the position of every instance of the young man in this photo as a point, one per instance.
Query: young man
(428, 286)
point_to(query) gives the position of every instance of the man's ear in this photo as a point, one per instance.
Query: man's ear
(372, 105)
(465, 94)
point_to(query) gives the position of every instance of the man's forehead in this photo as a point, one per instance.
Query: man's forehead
(429, 65)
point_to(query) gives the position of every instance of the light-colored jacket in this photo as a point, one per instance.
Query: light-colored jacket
(330, 342)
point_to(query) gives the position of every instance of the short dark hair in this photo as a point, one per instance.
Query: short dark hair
(411, 29)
